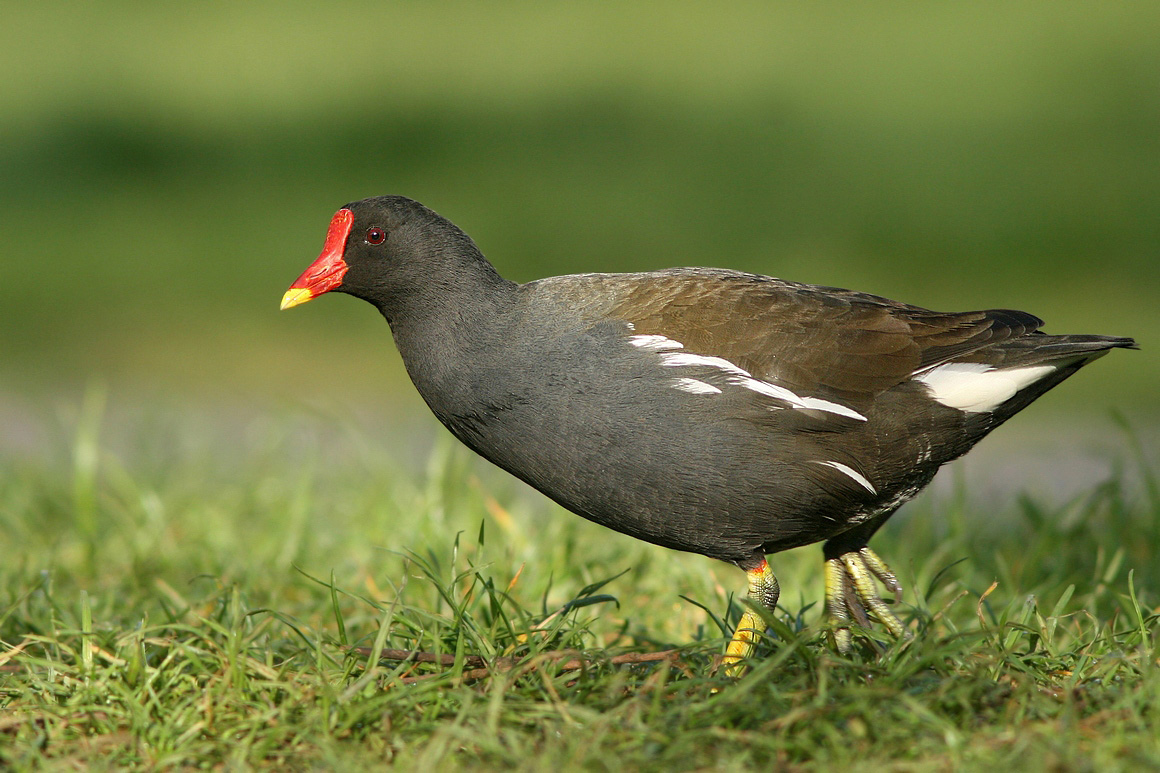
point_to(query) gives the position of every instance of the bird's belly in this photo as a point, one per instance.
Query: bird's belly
(705, 473)
(659, 470)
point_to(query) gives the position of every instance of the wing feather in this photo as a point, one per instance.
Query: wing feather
(825, 342)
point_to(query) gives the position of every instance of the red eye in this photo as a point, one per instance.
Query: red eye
(376, 236)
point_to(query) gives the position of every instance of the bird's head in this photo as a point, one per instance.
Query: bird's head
(376, 248)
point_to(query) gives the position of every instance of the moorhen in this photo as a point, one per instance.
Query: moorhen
(718, 412)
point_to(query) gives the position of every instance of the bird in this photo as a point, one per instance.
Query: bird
(706, 410)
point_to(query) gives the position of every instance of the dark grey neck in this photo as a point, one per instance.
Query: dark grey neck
(453, 319)
(450, 291)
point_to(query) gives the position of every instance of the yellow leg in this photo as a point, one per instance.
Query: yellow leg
(763, 592)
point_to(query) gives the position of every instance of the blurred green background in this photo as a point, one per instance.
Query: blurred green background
(166, 170)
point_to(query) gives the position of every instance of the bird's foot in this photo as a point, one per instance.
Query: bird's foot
(851, 590)
(763, 592)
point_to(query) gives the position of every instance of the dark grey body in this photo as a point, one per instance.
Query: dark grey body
(545, 381)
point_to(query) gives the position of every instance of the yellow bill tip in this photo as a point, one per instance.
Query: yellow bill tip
(295, 296)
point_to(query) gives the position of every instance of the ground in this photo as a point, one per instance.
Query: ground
(222, 609)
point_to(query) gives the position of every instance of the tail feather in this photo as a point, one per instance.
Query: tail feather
(1042, 349)
(1056, 356)
(1001, 380)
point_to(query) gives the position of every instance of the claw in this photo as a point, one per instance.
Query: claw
(851, 591)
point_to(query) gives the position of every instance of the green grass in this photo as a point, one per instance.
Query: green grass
(205, 592)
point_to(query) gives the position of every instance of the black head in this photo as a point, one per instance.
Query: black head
(387, 247)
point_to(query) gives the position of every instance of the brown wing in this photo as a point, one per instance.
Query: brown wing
(827, 342)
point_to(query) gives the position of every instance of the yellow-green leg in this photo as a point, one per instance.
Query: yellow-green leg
(851, 590)
(763, 592)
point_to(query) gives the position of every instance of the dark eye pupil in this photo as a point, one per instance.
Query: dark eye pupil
(376, 235)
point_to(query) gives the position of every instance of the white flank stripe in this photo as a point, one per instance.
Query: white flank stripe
(977, 388)
(677, 360)
(742, 377)
(655, 343)
(695, 387)
(781, 393)
(818, 404)
(856, 476)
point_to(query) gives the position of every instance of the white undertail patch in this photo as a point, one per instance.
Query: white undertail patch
(978, 388)
(854, 475)
(693, 386)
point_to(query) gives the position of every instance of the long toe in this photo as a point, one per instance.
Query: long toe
(852, 594)
(883, 572)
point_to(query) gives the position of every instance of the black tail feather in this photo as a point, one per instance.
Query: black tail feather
(1041, 349)
(1068, 352)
